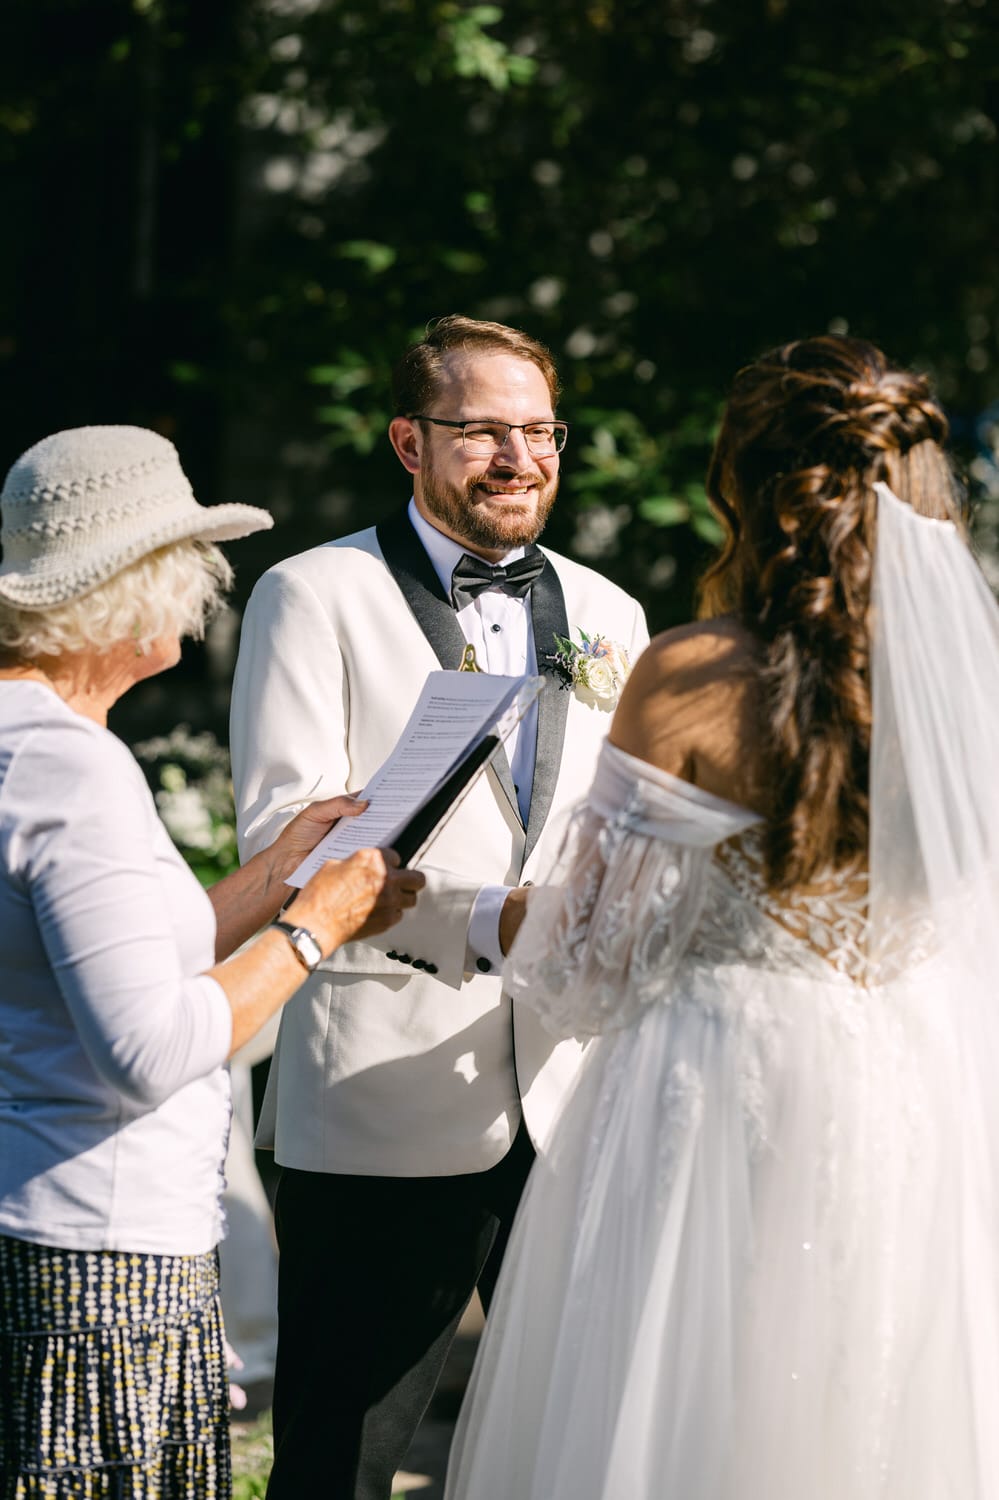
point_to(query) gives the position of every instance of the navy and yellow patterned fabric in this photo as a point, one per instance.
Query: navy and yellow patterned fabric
(112, 1376)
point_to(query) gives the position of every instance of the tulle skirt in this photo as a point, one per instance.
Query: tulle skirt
(112, 1376)
(757, 1261)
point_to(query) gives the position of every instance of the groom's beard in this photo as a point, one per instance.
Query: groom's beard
(496, 524)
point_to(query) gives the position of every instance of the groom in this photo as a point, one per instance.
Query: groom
(406, 1088)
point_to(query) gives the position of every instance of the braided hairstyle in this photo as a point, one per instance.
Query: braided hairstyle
(808, 430)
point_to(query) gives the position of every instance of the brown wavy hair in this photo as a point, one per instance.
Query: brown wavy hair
(807, 431)
(416, 379)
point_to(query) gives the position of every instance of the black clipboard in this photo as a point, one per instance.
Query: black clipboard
(428, 818)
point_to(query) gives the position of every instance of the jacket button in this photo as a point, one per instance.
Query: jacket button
(419, 963)
(483, 965)
(431, 968)
(393, 954)
(404, 958)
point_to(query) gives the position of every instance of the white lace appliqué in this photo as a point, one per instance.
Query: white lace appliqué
(682, 1108)
(655, 876)
(828, 921)
(597, 946)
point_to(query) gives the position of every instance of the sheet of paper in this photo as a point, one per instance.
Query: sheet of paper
(454, 711)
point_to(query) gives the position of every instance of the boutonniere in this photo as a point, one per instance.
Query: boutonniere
(595, 668)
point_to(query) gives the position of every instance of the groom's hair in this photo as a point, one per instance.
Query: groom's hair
(416, 379)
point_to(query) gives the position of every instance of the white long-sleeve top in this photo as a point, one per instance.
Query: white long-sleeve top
(114, 1101)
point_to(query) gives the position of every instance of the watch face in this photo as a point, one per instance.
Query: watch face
(308, 947)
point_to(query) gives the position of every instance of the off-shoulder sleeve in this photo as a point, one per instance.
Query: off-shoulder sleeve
(605, 931)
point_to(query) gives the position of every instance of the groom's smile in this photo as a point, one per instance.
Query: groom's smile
(523, 493)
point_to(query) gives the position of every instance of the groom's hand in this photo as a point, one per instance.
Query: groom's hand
(511, 916)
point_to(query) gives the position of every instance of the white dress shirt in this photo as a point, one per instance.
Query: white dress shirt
(501, 630)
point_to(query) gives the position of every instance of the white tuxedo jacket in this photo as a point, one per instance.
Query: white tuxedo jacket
(392, 1060)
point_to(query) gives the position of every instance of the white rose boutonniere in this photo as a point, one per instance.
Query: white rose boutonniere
(595, 668)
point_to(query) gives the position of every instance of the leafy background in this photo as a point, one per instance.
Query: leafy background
(226, 220)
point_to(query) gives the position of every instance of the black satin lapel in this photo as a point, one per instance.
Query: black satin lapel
(415, 574)
(407, 561)
(499, 766)
(550, 619)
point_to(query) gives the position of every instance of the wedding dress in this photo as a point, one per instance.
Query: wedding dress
(758, 1258)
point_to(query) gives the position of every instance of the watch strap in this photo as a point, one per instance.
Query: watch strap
(302, 941)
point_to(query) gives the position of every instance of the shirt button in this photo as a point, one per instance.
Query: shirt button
(496, 629)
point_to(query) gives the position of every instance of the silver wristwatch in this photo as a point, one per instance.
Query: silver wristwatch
(307, 949)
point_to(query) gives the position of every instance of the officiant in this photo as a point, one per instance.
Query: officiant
(406, 1088)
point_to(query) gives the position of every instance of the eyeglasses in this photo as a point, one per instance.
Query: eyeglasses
(481, 439)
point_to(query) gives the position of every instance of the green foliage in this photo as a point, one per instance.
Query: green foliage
(659, 190)
(626, 463)
(265, 200)
(479, 55)
(250, 1486)
(252, 1457)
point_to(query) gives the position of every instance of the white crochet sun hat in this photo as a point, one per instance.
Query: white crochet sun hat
(82, 504)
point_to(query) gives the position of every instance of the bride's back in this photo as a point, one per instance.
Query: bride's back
(698, 709)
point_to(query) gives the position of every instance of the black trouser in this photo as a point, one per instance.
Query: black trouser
(374, 1275)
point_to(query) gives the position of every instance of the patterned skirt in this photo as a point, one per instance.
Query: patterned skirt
(112, 1376)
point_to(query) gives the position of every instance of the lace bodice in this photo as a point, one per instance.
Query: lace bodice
(827, 921)
(655, 874)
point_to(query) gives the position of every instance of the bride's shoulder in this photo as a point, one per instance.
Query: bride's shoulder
(722, 646)
(692, 706)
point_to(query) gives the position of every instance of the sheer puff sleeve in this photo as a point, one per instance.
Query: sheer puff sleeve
(604, 932)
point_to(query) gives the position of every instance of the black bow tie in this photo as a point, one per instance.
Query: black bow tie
(472, 576)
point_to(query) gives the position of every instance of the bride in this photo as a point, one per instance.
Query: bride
(758, 1258)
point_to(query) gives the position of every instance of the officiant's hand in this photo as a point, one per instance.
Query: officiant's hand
(348, 898)
(306, 828)
(253, 894)
(512, 914)
(356, 897)
(314, 822)
(398, 894)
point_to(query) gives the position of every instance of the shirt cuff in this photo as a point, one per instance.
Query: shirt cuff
(484, 954)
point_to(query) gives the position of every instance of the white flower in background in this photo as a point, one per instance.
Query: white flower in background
(182, 808)
(594, 667)
(190, 775)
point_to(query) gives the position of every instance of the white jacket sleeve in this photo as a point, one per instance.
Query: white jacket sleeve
(290, 702)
